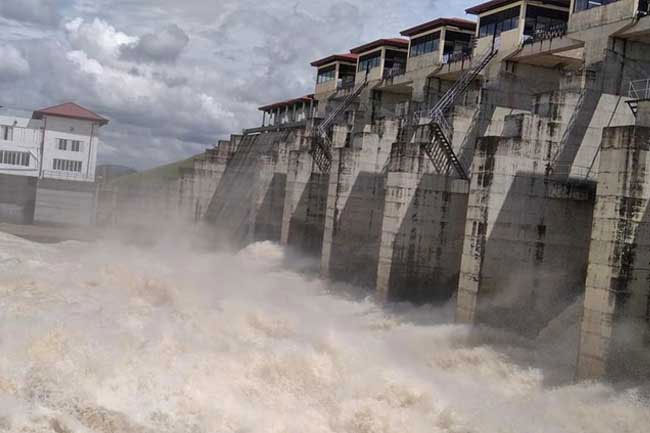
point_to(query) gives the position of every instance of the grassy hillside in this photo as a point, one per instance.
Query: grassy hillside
(162, 174)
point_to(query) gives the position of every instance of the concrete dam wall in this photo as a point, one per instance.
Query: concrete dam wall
(527, 190)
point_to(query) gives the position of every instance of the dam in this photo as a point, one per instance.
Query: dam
(499, 164)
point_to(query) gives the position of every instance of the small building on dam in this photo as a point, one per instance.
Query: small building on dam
(502, 164)
(47, 166)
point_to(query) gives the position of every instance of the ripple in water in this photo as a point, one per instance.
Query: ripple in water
(112, 338)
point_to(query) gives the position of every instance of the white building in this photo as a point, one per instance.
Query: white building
(47, 166)
(58, 142)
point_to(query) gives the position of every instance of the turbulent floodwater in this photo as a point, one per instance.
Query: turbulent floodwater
(112, 338)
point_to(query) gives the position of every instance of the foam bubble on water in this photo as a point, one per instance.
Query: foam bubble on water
(108, 337)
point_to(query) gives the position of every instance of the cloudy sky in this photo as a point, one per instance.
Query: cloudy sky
(175, 76)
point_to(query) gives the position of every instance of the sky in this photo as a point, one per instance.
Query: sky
(175, 76)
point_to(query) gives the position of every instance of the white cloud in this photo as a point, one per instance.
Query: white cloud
(96, 38)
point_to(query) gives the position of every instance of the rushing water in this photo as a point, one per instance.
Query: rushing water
(113, 338)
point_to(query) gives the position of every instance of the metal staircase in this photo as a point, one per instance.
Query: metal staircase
(438, 147)
(321, 145)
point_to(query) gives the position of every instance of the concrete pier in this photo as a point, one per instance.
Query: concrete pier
(355, 205)
(521, 221)
(422, 229)
(248, 203)
(614, 333)
(199, 182)
(303, 219)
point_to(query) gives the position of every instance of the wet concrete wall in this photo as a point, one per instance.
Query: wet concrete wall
(526, 236)
(17, 199)
(303, 220)
(355, 205)
(614, 333)
(422, 229)
(248, 203)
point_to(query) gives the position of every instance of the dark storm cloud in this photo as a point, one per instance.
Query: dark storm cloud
(163, 46)
(174, 77)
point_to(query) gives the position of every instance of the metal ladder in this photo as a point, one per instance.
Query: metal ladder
(321, 145)
(438, 147)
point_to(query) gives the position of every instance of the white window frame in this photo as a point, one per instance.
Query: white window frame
(6, 133)
(14, 157)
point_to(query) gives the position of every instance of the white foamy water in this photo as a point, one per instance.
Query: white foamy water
(111, 338)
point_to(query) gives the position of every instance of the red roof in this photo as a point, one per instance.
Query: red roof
(306, 98)
(439, 22)
(349, 57)
(493, 4)
(393, 42)
(70, 110)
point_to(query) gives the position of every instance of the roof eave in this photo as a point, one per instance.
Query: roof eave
(437, 25)
(100, 120)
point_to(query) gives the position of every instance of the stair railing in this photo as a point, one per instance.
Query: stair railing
(441, 130)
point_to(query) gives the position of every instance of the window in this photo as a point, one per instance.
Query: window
(425, 44)
(542, 19)
(495, 24)
(347, 74)
(369, 61)
(63, 144)
(10, 157)
(66, 165)
(395, 62)
(582, 5)
(6, 133)
(326, 74)
(456, 42)
(76, 146)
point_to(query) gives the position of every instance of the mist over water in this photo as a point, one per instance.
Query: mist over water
(114, 338)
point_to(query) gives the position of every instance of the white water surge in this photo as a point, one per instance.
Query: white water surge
(112, 338)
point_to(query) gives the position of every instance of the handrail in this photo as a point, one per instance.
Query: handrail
(456, 57)
(450, 96)
(639, 89)
(548, 32)
(394, 72)
(322, 128)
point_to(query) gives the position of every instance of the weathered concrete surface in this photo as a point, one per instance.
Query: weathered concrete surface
(422, 229)
(148, 201)
(17, 199)
(249, 201)
(51, 233)
(614, 332)
(303, 219)
(65, 202)
(355, 205)
(521, 221)
(199, 183)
